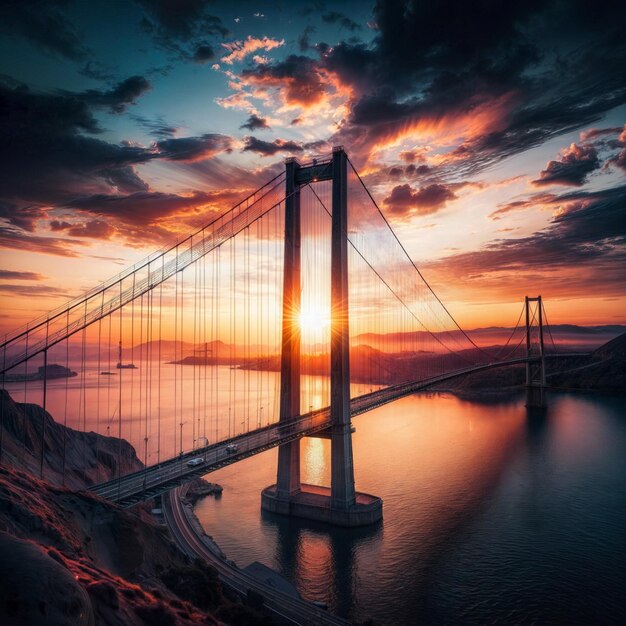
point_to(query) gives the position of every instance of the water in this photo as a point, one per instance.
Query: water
(159, 402)
(490, 516)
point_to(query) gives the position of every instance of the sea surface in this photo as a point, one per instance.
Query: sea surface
(492, 515)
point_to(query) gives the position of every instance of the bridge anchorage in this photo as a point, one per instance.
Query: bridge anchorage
(340, 504)
(536, 364)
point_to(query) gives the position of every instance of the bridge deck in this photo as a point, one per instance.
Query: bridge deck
(157, 479)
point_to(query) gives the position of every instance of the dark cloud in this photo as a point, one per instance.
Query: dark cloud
(410, 156)
(48, 150)
(572, 168)
(157, 127)
(529, 71)
(95, 229)
(14, 275)
(403, 199)
(380, 106)
(267, 148)
(317, 146)
(583, 249)
(355, 64)
(255, 122)
(203, 54)
(535, 122)
(182, 19)
(182, 26)
(620, 159)
(452, 36)
(15, 239)
(303, 41)
(58, 225)
(42, 23)
(50, 154)
(531, 202)
(297, 74)
(141, 208)
(25, 217)
(334, 17)
(123, 178)
(23, 107)
(194, 148)
(119, 97)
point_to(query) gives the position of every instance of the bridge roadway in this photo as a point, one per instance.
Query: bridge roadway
(157, 479)
(285, 608)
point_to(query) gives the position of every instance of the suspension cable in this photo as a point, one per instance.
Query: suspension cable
(391, 289)
(411, 261)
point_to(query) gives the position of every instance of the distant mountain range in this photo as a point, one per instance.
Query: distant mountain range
(569, 334)
(167, 350)
(603, 370)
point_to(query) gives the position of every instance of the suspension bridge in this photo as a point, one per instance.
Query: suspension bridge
(282, 318)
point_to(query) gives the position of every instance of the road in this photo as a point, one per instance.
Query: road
(157, 479)
(285, 608)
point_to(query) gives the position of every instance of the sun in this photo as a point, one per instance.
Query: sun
(314, 319)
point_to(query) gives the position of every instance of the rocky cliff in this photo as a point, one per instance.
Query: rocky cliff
(73, 458)
(68, 557)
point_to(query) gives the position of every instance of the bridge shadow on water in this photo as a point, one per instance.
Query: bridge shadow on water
(310, 552)
(425, 519)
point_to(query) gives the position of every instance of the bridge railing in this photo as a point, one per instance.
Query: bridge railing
(116, 293)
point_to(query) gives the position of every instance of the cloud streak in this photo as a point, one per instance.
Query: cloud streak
(582, 251)
(572, 168)
(405, 200)
(269, 148)
(239, 50)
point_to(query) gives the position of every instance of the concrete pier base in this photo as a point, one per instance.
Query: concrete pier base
(535, 396)
(313, 502)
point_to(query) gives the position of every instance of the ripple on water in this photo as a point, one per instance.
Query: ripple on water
(489, 516)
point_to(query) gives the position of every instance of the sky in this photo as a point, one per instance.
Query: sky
(492, 135)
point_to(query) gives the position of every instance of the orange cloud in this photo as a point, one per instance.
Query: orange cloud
(239, 50)
(466, 125)
(297, 82)
(403, 199)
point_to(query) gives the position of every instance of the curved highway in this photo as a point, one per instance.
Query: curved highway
(285, 608)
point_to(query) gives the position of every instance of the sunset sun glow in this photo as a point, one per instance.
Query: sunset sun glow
(318, 306)
(314, 319)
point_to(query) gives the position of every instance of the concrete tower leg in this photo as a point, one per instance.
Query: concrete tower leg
(535, 369)
(288, 475)
(342, 473)
(339, 505)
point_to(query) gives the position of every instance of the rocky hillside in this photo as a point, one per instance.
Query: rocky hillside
(89, 458)
(68, 557)
(605, 370)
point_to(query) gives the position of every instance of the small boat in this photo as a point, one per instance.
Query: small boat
(123, 366)
(107, 373)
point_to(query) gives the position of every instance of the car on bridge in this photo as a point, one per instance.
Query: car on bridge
(197, 461)
(231, 448)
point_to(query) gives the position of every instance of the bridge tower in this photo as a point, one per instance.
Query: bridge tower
(340, 504)
(535, 368)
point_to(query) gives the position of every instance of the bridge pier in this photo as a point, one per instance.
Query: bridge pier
(535, 369)
(340, 504)
(535, 397)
